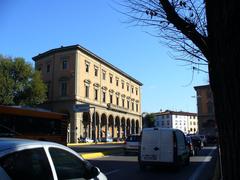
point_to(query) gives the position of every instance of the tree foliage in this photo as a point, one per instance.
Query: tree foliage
(149, 120)
(20, 83)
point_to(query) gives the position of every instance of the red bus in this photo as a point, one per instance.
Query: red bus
(31, 123)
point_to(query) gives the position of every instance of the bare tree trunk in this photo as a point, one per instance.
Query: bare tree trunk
(224, 71)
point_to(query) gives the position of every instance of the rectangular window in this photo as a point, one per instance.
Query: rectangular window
(117, 101)
(122, 85)
(96, 71)
(96, 94)
(132, 89)
(136, 91)
(110, 78)
(63, 88)
(111, 98)
(104, 75)
(123, 103)
(127, 87)
(117, 82)
(128, 104)
(48, 68)
(104, 97)
(133, 106)
(39, 67)
(87, 91)
(137, 107)
(87, 67)
(64, 64)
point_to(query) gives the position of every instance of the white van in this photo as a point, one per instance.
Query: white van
(163, 146)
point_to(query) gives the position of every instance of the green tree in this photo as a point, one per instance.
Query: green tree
(149, 120)
(207, 33)
(20, 83)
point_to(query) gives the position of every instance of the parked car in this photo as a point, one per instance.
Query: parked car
(117, 139)
(31, 159)
(132, 143)
(197, 143)
(204, 139)
(212, 140)
(163, 146)
(88, 140)
(190, 146)
(108, 139)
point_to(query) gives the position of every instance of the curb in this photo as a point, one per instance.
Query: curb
(99, 154)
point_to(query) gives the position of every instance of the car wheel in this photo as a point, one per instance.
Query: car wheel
(187, 161)
(142, 166)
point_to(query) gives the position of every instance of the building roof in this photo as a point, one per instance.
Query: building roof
(202, 87)
(175, 113)
(86, 51)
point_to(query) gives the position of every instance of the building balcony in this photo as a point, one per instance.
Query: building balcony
(113, 107)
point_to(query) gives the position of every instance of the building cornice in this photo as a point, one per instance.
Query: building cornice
(86, 51)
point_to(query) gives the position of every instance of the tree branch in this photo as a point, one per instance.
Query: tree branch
(187, 28)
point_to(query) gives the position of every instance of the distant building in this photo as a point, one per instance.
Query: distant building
(205, 107)
(185, 121)
(75, 75)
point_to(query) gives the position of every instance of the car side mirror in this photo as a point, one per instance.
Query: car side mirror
(92, 173)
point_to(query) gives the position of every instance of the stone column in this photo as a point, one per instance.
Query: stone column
(119, 129)
(99, 129)
(113, 129)
(73, 130)
(106, 128)
(90, 129)
(134, 127)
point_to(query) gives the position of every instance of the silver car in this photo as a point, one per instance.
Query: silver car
(132, 144)
(35, 160)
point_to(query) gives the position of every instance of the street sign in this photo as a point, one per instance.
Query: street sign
(81, 107)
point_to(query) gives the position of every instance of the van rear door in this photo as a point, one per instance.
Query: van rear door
(150, 145)
(166, 146)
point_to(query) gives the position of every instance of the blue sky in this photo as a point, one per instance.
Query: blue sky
(31, 27)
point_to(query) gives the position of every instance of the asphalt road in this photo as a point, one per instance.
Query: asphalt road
(118, 167)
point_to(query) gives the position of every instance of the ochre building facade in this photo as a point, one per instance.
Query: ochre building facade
(74, 75)
(206, 116)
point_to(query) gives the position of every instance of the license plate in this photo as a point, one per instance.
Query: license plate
(150, 157)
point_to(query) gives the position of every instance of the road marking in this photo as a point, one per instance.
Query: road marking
(201, 159)
(111, 172)
(199, 169)
(209, 147)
